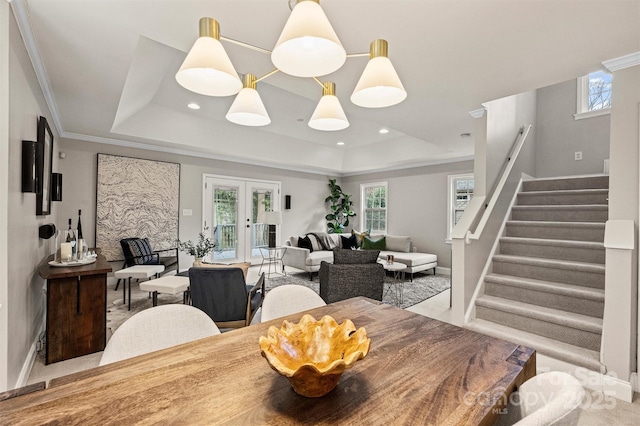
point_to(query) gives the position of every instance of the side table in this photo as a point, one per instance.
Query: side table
(272, 256)
(398, 270)
(137, 271)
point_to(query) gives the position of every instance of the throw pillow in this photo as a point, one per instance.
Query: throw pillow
(369, 244)
(293, 241)
(243, 265)
(346, 256)
(359, 236)
(305, 242)
(315, 244)
(349, 243)
(400, 244)
(141, 250)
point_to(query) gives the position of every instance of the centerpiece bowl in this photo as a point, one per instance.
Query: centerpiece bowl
(312, 354)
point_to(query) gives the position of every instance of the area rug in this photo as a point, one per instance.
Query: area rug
(422, 287)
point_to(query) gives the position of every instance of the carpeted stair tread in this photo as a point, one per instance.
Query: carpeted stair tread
(563, 197)
(562, 207)
(552, 348)
(561, 212)
(583, 182)
(593, 245)
(550, 263)
(541, 313)
(571, 290)
(574, 231)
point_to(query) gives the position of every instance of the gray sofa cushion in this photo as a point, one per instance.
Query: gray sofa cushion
(398, 243)
(345, 256)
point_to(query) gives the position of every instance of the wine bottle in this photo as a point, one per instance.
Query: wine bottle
(79, 225)
(71, 238)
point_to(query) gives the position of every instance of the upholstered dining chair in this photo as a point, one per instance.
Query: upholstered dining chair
(223, 294)
(138, 251)
(289, 299)
(157, 328)
(551, 398)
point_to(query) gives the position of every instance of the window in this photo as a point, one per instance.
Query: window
(593, 95)
(374, 207)
(460, 193)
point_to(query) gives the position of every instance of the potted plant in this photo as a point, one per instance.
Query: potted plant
(202, 248)
(341, 208)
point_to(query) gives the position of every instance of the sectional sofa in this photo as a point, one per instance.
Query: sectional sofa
(309, 258)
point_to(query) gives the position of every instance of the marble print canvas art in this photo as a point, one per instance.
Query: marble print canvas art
(136, 198)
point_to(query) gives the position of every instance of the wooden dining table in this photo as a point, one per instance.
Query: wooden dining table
(418, 371)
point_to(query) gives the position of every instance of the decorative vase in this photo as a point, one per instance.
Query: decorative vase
(197, 262)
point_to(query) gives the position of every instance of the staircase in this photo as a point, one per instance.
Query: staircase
(546, 288)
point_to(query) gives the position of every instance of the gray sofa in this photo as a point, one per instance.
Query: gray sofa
(398, 246)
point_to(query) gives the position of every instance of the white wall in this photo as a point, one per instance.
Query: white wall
(559, 135)
(25, 301)
(79, 170)
(417, 204)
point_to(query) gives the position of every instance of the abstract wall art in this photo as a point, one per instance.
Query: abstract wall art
(136, 198)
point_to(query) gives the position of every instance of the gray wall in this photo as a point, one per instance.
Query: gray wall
(79, 170)
(417, 204)
(25, 300)
(559, 135)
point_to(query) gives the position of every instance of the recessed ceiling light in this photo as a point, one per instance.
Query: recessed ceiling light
(193, 105)
(340, 143)
(383, 131)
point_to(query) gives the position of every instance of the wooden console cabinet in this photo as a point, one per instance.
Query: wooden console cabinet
(76, 309)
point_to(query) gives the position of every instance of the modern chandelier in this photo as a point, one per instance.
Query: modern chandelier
(308, 47)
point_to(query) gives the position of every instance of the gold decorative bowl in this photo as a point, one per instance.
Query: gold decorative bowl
(312, 354)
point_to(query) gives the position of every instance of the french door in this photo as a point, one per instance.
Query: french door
(234, 211)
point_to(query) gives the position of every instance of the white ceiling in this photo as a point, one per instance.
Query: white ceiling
(108, 66)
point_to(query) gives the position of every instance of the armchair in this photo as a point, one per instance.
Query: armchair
(137, 251)
(349, 276)
(222, 294)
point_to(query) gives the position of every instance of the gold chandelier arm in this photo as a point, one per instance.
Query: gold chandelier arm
(357, 55)
(247, 45)
(318, 81)
(269, 74)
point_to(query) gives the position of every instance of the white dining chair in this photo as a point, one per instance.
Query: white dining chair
(158, 328)
(551, 398)
(289, 299)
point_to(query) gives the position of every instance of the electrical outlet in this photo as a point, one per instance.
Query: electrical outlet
(577, 155)
(187, 212)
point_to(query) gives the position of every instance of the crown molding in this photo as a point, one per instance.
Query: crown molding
(478, 113)
(21, 12)
(622, 62)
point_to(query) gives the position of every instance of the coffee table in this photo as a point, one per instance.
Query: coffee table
(398, 270)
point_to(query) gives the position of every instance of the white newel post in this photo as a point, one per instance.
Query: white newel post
(619, 326)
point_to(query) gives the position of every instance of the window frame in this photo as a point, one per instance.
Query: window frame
(582, 100)
(363, 206)
(451, 197)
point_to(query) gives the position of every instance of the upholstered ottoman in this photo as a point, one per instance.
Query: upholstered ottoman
(172, 284)
(416, 262)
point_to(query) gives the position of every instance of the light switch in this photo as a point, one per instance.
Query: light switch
(187, 212)
(577, 155)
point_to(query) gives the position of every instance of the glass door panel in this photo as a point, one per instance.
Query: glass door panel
(263, 198)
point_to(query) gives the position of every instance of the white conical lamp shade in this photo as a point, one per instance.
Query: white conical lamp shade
(329, 115)
(248, 110)
(308, 46)
(379, 85)
(207, 68)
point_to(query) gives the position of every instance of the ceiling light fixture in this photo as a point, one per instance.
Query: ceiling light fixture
(247, 109)
(383, 131)
(307, 47)
(193, 105)
(340, 143)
